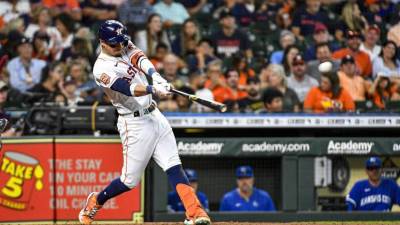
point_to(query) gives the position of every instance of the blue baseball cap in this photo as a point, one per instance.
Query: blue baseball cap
(191, 175)
(373, 162)
(244, 171)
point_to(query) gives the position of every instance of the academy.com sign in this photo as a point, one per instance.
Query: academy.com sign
(200, 148)
(350, 147)
(276, 147)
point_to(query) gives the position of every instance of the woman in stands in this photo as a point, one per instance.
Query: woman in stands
(147, 40)
(50, 84)
(387, 62)
(185, 42)
(329, 96)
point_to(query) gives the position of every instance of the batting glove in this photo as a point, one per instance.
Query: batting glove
(162, 89)
(157, 78)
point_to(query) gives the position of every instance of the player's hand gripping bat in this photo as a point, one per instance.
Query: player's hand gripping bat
(211, 104)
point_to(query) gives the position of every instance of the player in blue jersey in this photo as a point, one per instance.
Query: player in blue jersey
(175, 203)
(246, 197)
(374, 193)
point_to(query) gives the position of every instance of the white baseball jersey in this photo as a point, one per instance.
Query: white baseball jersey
(143, 137)
(108, 68)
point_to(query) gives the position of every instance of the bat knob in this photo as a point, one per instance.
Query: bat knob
(223, 108)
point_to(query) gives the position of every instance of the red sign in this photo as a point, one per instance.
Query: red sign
(59, 187)
(24, 182)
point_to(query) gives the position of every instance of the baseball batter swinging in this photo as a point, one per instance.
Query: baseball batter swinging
(121, 70)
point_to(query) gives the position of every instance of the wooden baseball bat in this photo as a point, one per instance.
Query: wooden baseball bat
(211, 104)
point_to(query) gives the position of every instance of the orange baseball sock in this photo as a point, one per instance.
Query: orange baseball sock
(190, 201)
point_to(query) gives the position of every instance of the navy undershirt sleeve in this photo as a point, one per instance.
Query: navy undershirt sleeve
(121, 86)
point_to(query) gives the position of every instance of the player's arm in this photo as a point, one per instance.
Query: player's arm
(137, 90)
(141, 62)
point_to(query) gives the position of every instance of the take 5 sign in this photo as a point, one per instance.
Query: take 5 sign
(36, 186)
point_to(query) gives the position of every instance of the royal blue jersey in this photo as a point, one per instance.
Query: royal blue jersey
(175, 204)
(258, 201)
(365, 197)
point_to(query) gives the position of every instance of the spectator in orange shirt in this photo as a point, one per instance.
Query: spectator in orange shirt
(215, 81)
(361, 58)
(232, 93)
(71, 7)
(350, 81)
(329, 96)
(381, 91)
(240, 64)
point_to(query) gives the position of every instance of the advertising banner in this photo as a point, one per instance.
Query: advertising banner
(287, 146)
(50, 181)
(25, 172)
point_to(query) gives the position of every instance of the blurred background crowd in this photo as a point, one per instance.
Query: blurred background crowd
(253, 55)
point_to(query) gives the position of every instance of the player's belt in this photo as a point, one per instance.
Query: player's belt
(142, 112)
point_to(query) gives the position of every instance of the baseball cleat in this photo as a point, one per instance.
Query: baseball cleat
(202, 221)
(188, 222)
(87, 214)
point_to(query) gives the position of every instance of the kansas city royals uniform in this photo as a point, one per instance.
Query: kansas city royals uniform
(143, 134)
(365, 197)
(175, 203)
(258, 201)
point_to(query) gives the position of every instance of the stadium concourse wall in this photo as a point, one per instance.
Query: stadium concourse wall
(48, 178)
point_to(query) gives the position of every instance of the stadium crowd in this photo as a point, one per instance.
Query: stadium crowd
(253, 55)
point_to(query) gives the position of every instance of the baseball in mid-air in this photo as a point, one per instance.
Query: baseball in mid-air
(325, 67)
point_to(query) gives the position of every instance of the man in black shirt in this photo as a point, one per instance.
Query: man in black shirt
(253, 102)
(229, 40)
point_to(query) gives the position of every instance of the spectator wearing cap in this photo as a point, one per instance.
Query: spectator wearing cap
(362, 60)
(320, 35)
(272, 100)
(323, 54)
(387, 62)
(353, 83)
(299, 81)
(374, 193)
(286, 39)
(305, 18)
(328, 96)
(253, 102)
(370, 44)
(229, 40)
(174, 202)
(246, 197)
(171, 12)
(25, 71)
